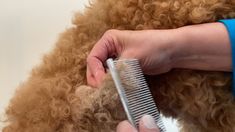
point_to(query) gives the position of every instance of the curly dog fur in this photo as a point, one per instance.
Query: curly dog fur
(56, 98)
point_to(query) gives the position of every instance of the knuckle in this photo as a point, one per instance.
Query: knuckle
(112, 37)
(111, 32)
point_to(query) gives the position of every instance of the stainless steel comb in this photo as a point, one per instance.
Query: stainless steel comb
(133, 91)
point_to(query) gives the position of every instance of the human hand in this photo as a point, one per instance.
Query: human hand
(153, 48)
(146, 124)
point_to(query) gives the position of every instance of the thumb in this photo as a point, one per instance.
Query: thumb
(147, 124)
(125, 126)
(95, 71)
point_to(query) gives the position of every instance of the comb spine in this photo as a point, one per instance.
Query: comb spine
(120, 90)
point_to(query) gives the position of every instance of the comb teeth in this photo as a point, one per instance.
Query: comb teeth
(133, 91)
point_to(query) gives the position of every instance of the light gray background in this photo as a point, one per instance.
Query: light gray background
(28, 29)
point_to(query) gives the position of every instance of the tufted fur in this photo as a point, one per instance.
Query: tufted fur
(55, 97)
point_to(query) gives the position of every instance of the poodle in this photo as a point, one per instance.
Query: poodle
(56, 96)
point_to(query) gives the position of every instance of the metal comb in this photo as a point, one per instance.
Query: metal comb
(133, 91)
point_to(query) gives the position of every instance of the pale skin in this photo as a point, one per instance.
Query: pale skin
(201, 47)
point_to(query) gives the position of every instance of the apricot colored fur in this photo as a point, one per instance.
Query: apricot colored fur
(56, 98)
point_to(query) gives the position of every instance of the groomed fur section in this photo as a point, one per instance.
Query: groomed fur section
(46, 109)
(55, 97)
(101, 111)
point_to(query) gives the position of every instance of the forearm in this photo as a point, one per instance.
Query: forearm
(203, 47)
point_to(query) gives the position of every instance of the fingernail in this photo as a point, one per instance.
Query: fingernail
(149, 122)
(99, 77)
(96, 74)
(98, 71)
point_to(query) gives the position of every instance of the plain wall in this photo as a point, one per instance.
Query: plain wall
(28, 29)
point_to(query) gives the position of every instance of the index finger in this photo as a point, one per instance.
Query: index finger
(101, 51)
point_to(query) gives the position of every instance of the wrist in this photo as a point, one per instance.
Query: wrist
(180, 52)
(177, 43)
(189, 52)
(202, 47)
(174, 46)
